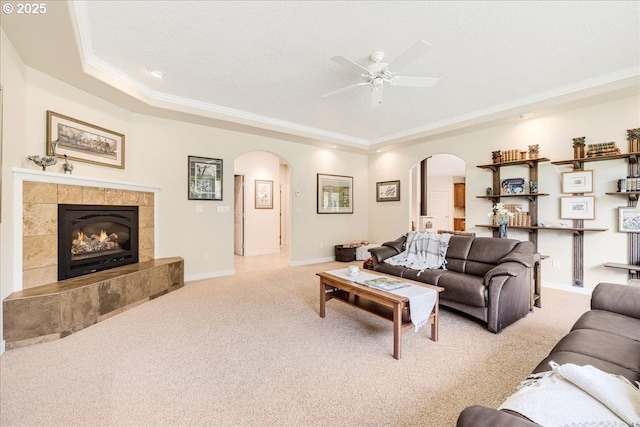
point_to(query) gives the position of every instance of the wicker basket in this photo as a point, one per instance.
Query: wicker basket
(345, 254)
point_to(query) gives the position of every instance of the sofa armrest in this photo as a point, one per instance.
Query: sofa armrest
(381, 253)
(481, 416)
(621, 299)
(510, 268)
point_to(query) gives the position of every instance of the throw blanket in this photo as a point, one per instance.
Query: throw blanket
(423, 249)
(421, 303)
(573, 395)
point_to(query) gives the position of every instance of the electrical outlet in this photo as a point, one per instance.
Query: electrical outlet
(206, 256)
(199, 208)
(321, 245)
(555, 263)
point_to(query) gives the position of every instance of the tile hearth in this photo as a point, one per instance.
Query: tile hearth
(52, 311)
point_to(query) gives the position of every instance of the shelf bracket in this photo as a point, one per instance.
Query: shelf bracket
(577, 165)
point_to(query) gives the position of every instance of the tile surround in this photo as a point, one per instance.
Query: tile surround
(40, 223)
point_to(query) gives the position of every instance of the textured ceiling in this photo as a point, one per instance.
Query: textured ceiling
(266, 64)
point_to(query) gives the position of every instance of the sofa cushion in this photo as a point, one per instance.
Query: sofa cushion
(463, 288)
(609, 322)
(486, 252)
(430, 277)
(562, 357)
(457, 252)
(606, 346)
(396, 270)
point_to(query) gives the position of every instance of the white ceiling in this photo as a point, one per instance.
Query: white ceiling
(261, 66)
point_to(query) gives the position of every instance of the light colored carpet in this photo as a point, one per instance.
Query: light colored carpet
(251, 350)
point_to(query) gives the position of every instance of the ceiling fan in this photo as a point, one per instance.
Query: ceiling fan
(379, 73)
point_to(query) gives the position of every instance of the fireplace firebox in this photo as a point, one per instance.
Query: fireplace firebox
(94, 238)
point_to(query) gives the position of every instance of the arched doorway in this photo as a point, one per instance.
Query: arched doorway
(262, 217)
(441, 180)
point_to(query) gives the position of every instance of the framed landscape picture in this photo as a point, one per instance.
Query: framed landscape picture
(205, 178)
(388, 191)
(264, 194)
(84, 142)
(628, 220)
(577, 207)
(335, 194)
(577, 182)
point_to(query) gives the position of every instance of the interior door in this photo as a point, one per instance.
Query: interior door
(238, 215)
(439, 210)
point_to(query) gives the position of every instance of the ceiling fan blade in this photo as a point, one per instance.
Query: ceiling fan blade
(344, 89)
(408, 56)
(346, 62)
(414, 81)
(376, 96)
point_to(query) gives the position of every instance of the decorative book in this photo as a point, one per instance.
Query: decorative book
(385, 283)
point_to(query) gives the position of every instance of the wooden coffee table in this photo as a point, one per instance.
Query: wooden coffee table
(385, 304)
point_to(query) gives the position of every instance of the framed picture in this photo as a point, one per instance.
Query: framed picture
(388, 191)
(205, 178)
(577, 182)
(335, 194)
(577, 207)
(264, 194)
(84, 142)
(628, 220)
(512, 186)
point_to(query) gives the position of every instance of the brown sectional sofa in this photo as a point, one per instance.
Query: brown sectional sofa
(606, 337)
(487, 278)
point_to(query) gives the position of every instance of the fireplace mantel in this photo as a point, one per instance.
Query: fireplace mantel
(21, 175)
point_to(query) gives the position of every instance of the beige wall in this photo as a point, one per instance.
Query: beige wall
(599, 123)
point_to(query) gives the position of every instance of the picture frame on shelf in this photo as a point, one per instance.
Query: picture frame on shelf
(205, 178)
(512, 186)
(334, 194)
(388, 191)
(577, 182)
(578, 207)
(264, 194)
(84, 142)
(628, 220)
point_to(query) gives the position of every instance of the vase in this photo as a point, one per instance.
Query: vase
(502, 229)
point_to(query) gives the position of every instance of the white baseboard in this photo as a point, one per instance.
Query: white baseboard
(210, 275)
(2, 347)
(568, 288)
(312, 261)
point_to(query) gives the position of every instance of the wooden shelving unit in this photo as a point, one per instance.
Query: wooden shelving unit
(532, 198)
(634, 238)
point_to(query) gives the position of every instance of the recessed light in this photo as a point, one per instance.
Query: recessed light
(156, 73)
(525, 115)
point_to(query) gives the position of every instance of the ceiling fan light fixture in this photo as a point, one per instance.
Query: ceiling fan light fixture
(378, 73)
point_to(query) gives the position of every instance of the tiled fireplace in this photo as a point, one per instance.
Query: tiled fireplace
(40, 202)
(44, 308)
